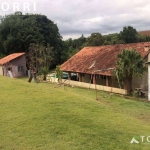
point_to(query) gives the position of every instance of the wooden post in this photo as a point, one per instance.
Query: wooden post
(69, 75)
(111, 85)
(65, 86)
(94, 79)
(149, 82)
(80, 77)
(94, 82)
(106, 80)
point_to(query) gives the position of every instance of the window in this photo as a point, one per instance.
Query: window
(9, 68)
(20, 68)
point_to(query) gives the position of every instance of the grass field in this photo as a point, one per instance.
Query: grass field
(41, 117)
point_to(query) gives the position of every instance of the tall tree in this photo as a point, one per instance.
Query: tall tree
(112, 39)
(96, 39)
(18, 32)
(129, 34)
(130, 64)
(39, 57)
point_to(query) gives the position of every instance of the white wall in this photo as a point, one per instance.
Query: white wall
(92, 86)
(1, 70)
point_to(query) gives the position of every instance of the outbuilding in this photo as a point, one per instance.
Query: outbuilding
(13, 65)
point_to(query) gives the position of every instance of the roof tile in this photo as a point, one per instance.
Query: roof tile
(105, 57)
(10, 57)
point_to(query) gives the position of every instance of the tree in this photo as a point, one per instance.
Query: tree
(129, 34)
(112, 39)
(39, 57)
(130, 64)
(73, 46)
(18, 32)
(43, 71)
(96, 39)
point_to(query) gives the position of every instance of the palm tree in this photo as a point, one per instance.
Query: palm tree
(129, 64)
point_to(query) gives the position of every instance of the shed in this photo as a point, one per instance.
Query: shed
(13, 65)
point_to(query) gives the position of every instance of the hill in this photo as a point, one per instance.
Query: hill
(41, 117)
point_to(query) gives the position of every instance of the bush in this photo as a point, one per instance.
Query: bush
(44, 71)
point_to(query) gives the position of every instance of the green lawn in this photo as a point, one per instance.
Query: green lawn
(41, 117)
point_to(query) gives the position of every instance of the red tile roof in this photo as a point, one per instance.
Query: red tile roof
(10, 57)
(104, 57)
(147, 32)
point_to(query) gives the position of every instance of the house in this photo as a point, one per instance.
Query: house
(13, 65)
(95, 64)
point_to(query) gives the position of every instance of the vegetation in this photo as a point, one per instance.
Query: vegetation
(23, 33)
(130, 64)
(112, 39)
(44, 71)
(19, 32)
(96, 39)
(127, 35)
(39, 57)
(58, 73)
(36, 117)
(75, 45)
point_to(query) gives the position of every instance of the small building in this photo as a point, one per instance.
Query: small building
(93, 65)
(13, 65)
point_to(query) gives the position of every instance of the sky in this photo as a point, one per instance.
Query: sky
(77, 17)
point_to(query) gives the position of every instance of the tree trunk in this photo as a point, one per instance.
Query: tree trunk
(128, 85)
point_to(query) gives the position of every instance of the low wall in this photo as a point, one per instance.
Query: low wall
(98, 87)
(91, 86)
